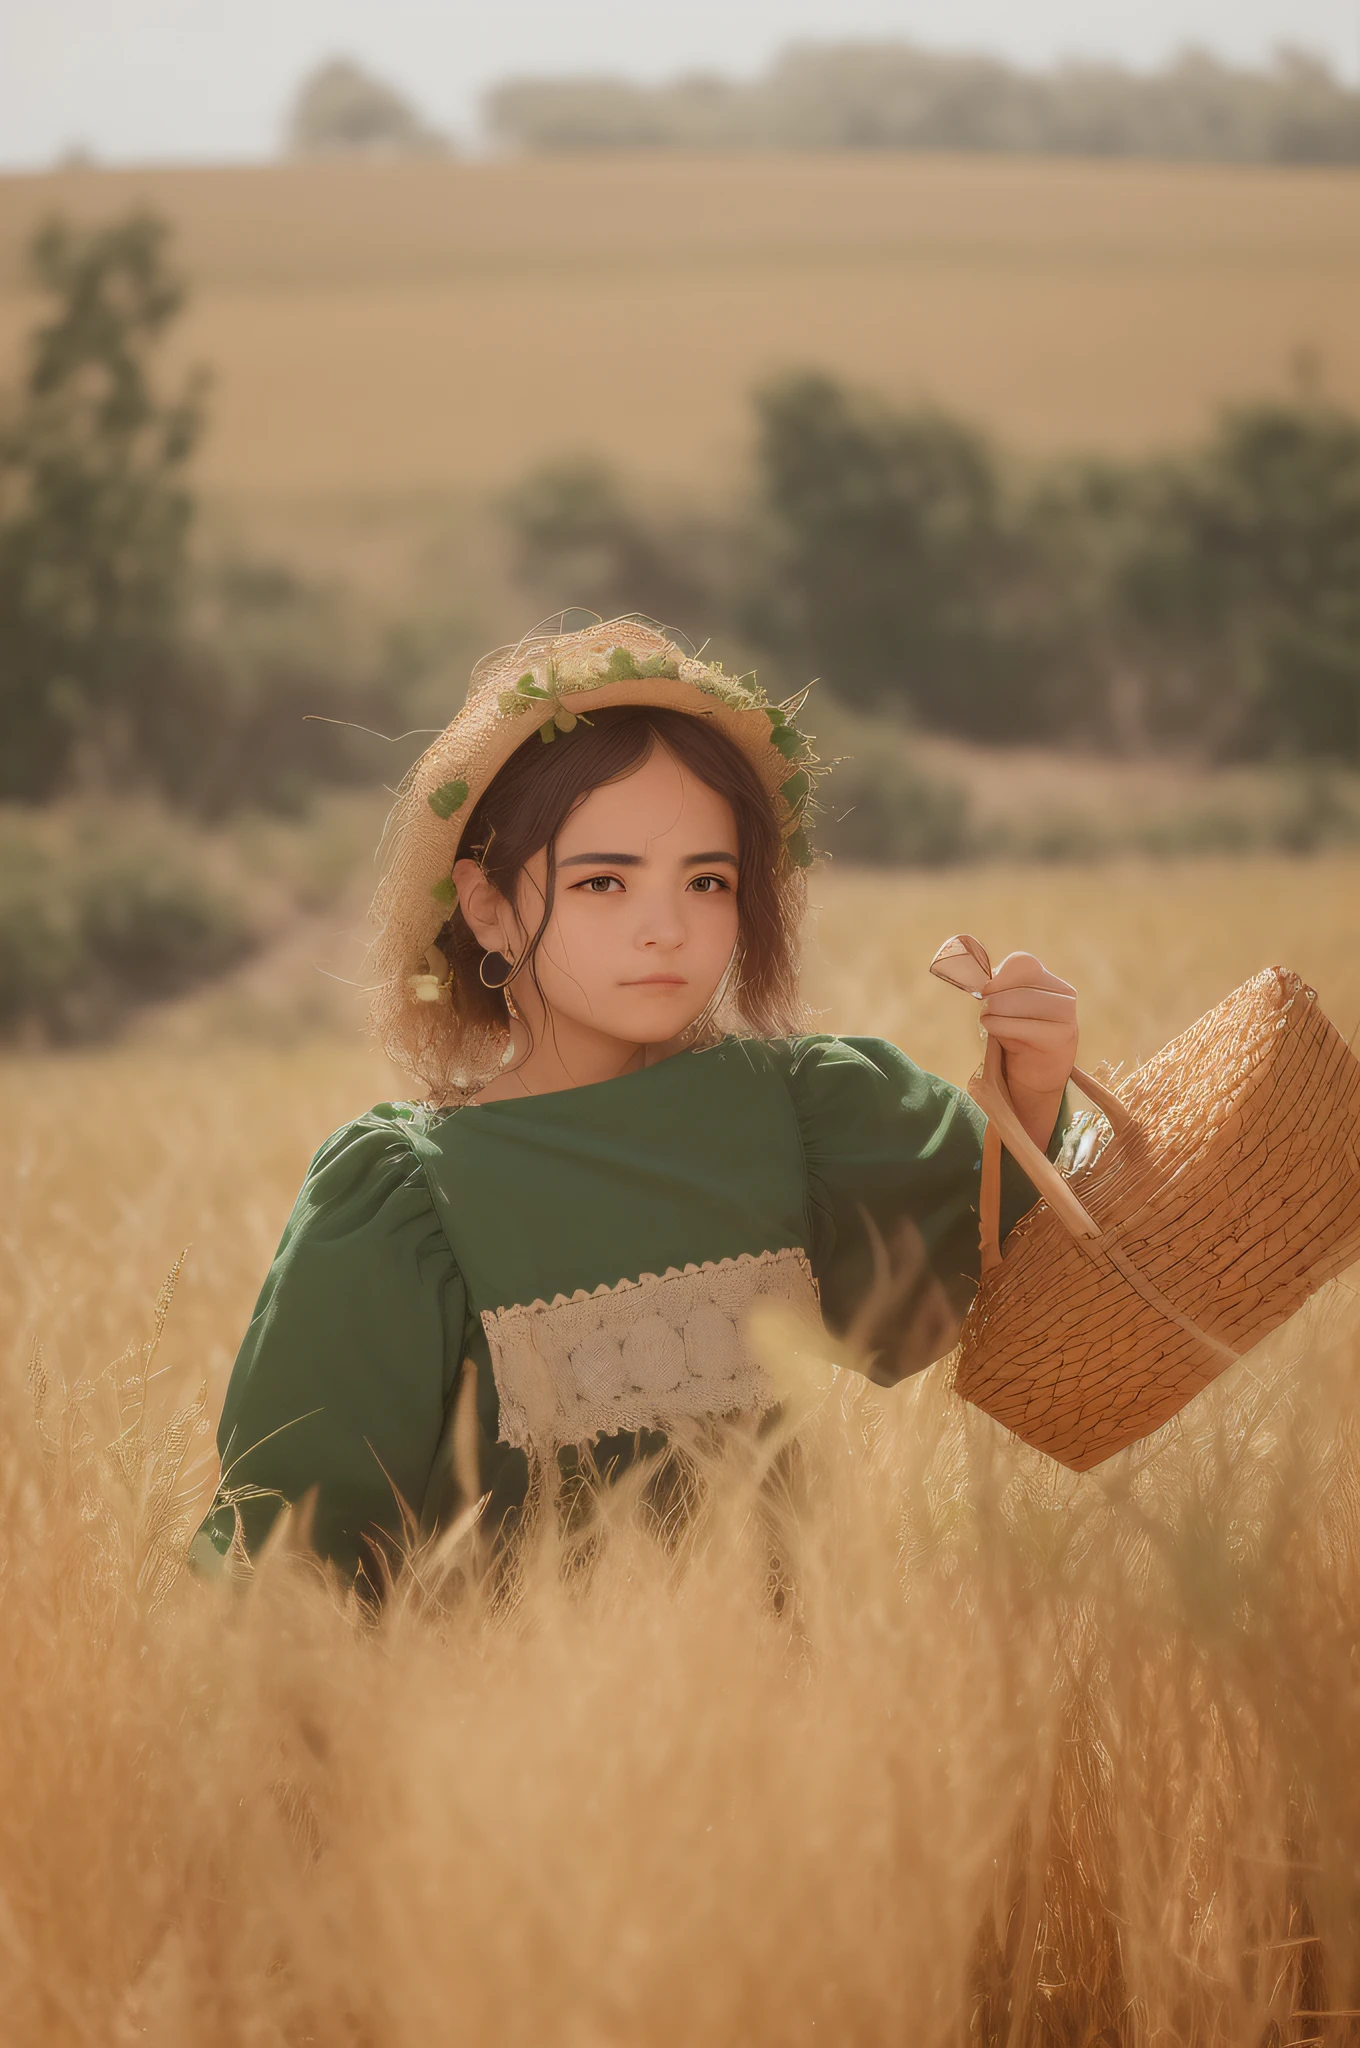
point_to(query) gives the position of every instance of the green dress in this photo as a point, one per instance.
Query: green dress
(594, 1252)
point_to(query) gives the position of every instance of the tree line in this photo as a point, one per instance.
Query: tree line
(897, 95)
(888, 95)
(1203, 602)
(1207, 599)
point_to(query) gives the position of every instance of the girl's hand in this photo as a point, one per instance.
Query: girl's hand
(1032, 1015)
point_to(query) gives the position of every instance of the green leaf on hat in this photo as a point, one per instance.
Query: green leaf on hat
(622, 668)
(797, 789)
(444, 890)
(527, 687)
(788, 740)
(445, 800)
(799, 849)
(774, 714)
(547, 733)
(660, 666)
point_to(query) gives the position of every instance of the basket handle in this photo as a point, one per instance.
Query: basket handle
(988, 1089)
(963, 962)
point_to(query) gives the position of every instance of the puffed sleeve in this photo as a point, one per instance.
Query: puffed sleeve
(893, 1157)
(348, 1367)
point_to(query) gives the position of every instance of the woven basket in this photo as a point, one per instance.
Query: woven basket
(1227, 1191)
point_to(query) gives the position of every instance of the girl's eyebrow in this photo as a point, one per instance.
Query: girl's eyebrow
(601, 860)
(637, 860)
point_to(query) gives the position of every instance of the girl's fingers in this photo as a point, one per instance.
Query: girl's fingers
(1026, 970)
(1055, 1005)
(1036, 1036)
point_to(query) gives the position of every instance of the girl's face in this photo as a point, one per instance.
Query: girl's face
(644, 919)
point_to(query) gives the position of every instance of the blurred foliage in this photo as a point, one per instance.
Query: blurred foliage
(1245, 580)
(1305, 812)
(1206, 603)
(279, 690)
(343, 110)
(102, 911)
(124, 664)
(882, 807)
(887, 558)
(896, 95)
(94, 507)
(576, 530)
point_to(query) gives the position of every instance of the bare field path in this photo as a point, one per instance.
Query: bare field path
(391, 328)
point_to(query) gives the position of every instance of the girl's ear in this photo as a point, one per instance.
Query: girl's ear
(487, 914)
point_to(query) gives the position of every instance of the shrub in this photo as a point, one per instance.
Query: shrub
(579, 539)
(124, 661)
(882, 809)
(1247, 578)
(101, 914)
(890, 559)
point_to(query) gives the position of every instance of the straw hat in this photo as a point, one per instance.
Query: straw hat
(530, 694)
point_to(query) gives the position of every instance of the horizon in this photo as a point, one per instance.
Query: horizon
(172, 82)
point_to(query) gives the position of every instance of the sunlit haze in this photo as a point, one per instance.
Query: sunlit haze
(183, 80)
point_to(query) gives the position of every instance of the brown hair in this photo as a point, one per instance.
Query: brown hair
(529, 801)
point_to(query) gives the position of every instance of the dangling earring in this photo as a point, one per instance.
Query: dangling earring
(503, 970)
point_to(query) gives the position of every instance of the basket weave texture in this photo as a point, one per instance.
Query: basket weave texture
(1235, 1192)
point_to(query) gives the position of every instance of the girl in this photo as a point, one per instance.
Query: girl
(588, 935)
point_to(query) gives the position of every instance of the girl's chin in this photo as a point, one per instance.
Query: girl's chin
(653, 1021)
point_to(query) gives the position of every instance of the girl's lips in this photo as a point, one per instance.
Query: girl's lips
(657, 981)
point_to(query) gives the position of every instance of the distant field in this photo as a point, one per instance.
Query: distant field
(392, 329)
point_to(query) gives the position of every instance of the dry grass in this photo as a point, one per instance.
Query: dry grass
(1015, 1757)
(405, 328)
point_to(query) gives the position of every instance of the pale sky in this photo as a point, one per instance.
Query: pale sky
(197, 80)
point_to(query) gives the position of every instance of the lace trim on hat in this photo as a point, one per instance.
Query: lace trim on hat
(641, 1355)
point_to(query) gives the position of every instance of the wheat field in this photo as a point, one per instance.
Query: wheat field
(384, 330)
(1013, 1757)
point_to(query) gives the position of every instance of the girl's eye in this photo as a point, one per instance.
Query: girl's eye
(709, 885)
(600, 885)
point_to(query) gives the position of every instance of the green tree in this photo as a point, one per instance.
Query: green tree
(1245, 578)
(899, 95)
(891, 570)
(342, 110)
(95, 509)
(579, 540)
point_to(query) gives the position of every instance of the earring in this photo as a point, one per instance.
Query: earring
(500, 967)
(503, 970)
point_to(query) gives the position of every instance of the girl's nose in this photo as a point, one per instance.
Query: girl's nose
(660, 926)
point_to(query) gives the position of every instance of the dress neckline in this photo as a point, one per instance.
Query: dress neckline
(594, 1088)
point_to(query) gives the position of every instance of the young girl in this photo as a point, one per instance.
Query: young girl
(587, 950)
